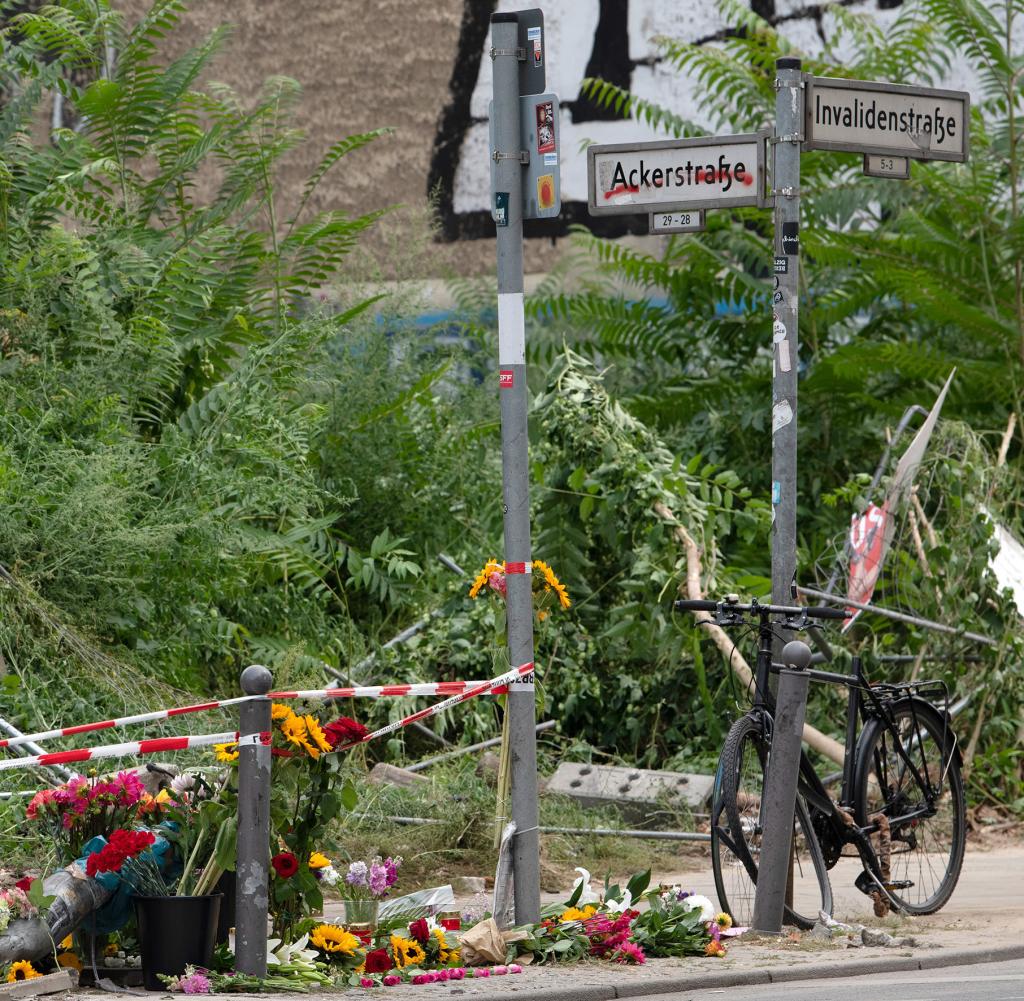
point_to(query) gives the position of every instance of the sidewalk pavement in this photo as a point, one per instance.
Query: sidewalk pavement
(982, 923)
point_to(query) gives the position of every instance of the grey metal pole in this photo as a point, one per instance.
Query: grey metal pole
(515, 463)
(780, 785)
(253, 862)
(789, 102)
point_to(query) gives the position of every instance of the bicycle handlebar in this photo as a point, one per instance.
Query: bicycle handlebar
(755, 608)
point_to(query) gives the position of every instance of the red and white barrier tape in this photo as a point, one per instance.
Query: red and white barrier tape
(154, 746)
(508, 678)
(365, 692)
(380, 691)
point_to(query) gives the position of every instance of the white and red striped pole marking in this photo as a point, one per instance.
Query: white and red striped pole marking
(508, 678)
(380, 691)
(154, 746)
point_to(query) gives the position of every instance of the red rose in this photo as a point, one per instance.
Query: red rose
(378, 961)
(344, 731)
(24, 884)
(285, 865)
(420, 931)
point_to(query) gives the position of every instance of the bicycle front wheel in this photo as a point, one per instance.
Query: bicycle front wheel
(737, 827)
(927, 848)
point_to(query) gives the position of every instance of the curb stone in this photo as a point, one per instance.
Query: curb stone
(748, 978)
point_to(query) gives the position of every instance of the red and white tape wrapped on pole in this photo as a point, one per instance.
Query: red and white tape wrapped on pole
(364, 692)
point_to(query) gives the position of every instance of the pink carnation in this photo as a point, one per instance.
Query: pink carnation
(420, 978)
(458, 973)
(482, 972)
(391, 980)
(629, 952)
(514, 968)
(499, 971)
(366, 982)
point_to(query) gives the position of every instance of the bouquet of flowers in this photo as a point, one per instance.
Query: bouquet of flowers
(372, 880)
(14, 904)
(128, 854)
(83, 808)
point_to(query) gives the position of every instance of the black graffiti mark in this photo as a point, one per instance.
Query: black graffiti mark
(609, 59)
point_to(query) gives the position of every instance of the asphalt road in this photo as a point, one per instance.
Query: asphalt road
(983, 982)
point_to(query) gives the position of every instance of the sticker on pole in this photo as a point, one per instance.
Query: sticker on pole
(860, 116)
(505, 379)
(540, 140)
(675, 175)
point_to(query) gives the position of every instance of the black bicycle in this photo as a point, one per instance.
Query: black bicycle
(901, 804)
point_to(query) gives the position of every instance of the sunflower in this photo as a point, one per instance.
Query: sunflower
(406, 952)
(317, 736)
(723, 921)
(22, 970)
(69, 961)
(446, 954)
(491, 566)
(279, 711)
(575, 914)
(317, 860)
(333, 940)
(294, 729)
(552, 583)
(226, 752)
(66, 942)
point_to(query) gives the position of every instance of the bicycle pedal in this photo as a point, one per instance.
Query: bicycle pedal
(899, 884)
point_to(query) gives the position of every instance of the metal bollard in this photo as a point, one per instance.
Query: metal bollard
(780, 789)
(253, 862)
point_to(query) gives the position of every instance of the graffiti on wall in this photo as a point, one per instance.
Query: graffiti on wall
(610, 39)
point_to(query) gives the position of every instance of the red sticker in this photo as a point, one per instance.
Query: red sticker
(505, 379)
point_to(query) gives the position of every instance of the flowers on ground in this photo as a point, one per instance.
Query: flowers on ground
(406, 952)
(333, 940)
(22, 970)
(575, 914)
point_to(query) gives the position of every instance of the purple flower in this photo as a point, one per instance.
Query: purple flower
(196, 984)
(378, 878)
(392, 865)
(356, 875)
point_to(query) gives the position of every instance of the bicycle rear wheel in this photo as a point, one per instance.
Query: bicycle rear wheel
(737, 827)
(926, 851)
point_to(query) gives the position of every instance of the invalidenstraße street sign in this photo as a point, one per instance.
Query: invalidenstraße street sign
(858, 116)
(676, 175)
(678, 222)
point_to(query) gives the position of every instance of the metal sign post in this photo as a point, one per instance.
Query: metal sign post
(780, 783)
(507, 155)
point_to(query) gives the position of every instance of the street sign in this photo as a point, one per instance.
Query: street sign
(676, 175)
(886, 118)
(678, 222)
(539, 138)
(896, 167)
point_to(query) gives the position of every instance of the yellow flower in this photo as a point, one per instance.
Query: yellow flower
(69, 961)
(279, 711)
(491, 566)
(294, 730)
(22, 970)
(316, 734)
(111, 949)
(575, 914)
(723, 920)
(66, 943)
(406, 952)
(317, 860)
(226, 752)
(714, 948)
(332, 939)
(552, 583)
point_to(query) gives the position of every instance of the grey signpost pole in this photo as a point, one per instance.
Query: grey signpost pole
(508, 208)
(253, 862)
(781, 780)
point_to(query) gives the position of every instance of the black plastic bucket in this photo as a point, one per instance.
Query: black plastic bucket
(175, 932)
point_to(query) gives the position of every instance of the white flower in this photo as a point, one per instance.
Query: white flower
(707, 909)
(281, 954)
(181, 784)
(618, 906)
(5, 914)
(587, 896)
(329, 876)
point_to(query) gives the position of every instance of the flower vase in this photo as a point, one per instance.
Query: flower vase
(175, 932)
(361, 913)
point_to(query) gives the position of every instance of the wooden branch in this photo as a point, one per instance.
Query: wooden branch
(1004, 445)
(813, 737)
(919, 545)
(933, 539)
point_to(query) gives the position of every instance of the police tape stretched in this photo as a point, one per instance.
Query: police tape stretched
(363, 692)
(158, 744)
